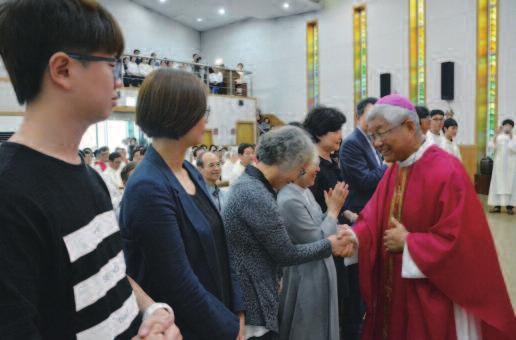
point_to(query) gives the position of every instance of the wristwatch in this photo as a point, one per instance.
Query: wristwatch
(154, 307)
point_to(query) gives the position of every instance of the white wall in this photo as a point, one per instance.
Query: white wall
(225, 112)
(275, 51)
(387, 43)
(506, 61)
(152, 32)
(10, 123)
(451, 36)
(279, 78)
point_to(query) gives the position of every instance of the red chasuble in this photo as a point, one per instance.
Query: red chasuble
(449, 241)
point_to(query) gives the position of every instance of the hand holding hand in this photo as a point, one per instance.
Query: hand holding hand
(394, 239)
(159, 326)
(343, 243)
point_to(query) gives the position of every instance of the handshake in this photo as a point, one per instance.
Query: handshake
(344, 243)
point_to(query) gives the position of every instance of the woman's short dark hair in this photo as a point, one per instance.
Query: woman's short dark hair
(508, 121)
(170, 103)
(31, 31)
(126, 170)
(321, 120)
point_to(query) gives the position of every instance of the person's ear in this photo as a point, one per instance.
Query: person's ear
(411, 126)
(59, 69)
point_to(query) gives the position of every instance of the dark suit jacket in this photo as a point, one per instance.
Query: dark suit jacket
(170, 252)
(360, 170)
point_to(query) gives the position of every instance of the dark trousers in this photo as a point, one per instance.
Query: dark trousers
(351, 305)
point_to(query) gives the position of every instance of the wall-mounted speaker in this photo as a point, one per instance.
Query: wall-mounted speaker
(447, 80)
(385, 84)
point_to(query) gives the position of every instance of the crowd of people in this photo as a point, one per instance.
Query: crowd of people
(376, 236)
(136, 67)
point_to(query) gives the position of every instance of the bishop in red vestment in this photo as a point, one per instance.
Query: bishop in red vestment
(427, 262)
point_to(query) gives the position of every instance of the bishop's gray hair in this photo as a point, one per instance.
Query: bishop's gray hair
(394, 115)
(288, 147)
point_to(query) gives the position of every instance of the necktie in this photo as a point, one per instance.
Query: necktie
(215, 194)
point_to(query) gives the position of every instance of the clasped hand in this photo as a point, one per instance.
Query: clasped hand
(394, 238)
(343, 243)
(160, 326)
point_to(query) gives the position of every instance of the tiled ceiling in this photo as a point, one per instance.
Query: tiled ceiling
(203, 15)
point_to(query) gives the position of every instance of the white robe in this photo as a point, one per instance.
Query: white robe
(145, 69)
(502, 191)
(435, 139)
(451, 147)
(114, 185)
(235, 172)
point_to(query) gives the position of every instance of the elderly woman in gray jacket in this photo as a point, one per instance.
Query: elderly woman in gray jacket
(310, 289)
(258, 241)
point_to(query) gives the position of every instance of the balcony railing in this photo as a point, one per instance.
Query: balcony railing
(221, 80)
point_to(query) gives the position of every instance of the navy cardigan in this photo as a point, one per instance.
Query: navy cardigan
(170, 252)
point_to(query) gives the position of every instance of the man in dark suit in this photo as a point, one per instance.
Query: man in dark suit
(362, 166)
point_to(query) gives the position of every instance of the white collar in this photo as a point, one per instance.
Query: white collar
(416, 155)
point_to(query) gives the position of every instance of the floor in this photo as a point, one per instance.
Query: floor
(503, 228)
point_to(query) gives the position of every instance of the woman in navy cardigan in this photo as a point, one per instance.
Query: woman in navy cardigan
(174, 240)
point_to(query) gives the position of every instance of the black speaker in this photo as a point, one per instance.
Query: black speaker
(447, 80)
(385, 84)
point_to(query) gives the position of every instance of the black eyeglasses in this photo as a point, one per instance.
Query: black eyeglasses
(117, 69)
(381, 135)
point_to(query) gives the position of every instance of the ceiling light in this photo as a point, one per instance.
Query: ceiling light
(286, 5)
(162, 1)
(222, 11)
(199, 19)
(219, 61)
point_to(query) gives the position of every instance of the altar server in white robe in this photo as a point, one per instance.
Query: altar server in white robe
(502, 191)
(434, 135)
(450, 129)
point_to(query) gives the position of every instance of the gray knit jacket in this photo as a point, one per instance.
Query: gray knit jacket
(259, 246)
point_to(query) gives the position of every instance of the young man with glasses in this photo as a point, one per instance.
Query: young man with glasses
(434, 134)
(63, 269)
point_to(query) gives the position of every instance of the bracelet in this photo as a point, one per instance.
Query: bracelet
(154, 307)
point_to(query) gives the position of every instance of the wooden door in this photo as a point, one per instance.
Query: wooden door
(207, 137)
(245, 133)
